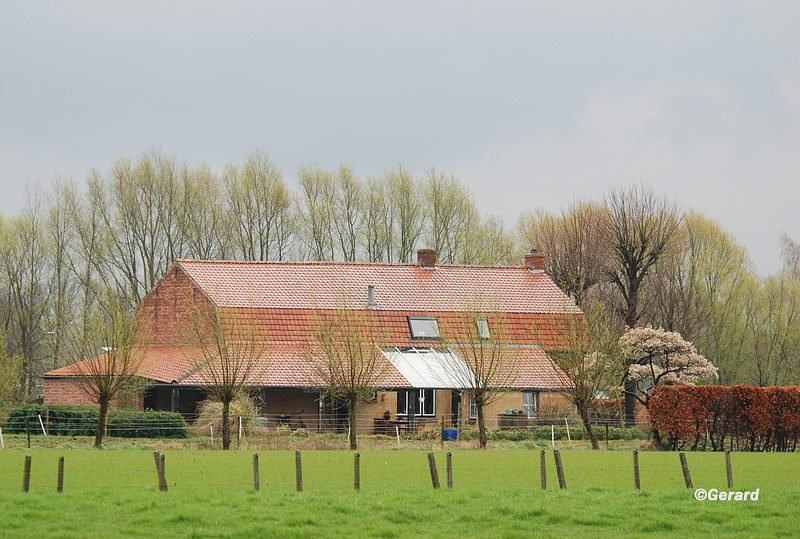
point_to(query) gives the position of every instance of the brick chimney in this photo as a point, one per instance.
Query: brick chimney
(534, 260)
(426, 258)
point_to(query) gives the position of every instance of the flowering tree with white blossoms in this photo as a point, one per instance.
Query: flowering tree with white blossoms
(657, 356)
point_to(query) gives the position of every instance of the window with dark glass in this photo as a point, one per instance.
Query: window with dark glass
(425, 405)
(423, 328)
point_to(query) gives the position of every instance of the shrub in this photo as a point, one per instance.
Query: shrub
(727, 417)
(59, 419)
(210, 415)
(67, 420)
(147, 424)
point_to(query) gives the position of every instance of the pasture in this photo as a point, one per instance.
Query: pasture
(496, 493)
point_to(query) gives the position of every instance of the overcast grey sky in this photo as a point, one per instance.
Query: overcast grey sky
(528, 103)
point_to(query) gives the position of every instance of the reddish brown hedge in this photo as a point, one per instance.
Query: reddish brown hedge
(743, 418)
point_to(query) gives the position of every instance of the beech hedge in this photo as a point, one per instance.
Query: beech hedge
(67, 420)
(743, 418)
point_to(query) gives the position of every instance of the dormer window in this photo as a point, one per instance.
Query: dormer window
(423, 328)
(482, 326)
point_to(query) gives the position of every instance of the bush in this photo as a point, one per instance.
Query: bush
(59, 419)
(210, 415)
(560, 432)
(746, 418)
(147, 424)
(67, 420)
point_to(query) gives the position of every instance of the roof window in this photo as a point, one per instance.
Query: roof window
(423, 328)
(482, 326)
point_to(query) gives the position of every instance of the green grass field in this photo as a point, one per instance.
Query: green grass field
(496, 494)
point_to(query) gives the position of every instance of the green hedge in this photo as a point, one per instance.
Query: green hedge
(59, 420)
(66, 420)
(560, 432)
(148, 424)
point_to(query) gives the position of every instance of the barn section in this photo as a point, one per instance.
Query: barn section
(409, 302)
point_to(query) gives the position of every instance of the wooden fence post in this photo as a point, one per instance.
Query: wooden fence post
(357, 471)
(60, 480)
(542, 469)
(636, 482)
(562, 483)
(26, 474)
(162, 474)
(449, 470)
(256, 478)
(687, 477)
(434, 471)
(728, 468)
(298, 471)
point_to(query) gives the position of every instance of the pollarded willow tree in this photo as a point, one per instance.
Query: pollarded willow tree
(226, 347)
(110, 355)
(588, 362)
(345, 357)
(659, 357)
(479, 359)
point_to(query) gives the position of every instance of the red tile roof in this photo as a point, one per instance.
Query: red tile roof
(284, 301)
(398, 287)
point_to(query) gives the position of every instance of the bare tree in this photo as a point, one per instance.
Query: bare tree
(110, 356)
(260, 205)
(225, 348)
(482, 363)
(588, 362)
(772, 329)
(22, 252)
(346, 359)
(316, 205)
(790, 251)
(348, 213)
(574, 244)
(698, 289)
(641, 227)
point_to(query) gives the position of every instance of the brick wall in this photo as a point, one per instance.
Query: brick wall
(168, 312)
(66, 391)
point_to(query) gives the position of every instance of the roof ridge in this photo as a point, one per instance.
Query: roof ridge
(336, 263)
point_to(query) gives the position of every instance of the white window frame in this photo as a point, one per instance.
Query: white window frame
(424, 396)
(482, 325)
(530, 403)
(473, 409)
(432, 325)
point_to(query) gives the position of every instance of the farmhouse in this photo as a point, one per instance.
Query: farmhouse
(410, 303)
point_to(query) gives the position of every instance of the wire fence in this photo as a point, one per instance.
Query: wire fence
(553, 427)
(184, 471)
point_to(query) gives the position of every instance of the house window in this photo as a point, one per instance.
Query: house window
(473, 409)
(483, 329)
(423, 328)
(425, 405)
(530, 401)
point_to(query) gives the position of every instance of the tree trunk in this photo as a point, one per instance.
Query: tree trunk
(351, 411)
(587, 425)
(482, 438)
(226, 424)
(101, 423)
(630, 403)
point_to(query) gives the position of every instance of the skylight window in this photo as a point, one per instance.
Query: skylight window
(483, 329)
(424, 328)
